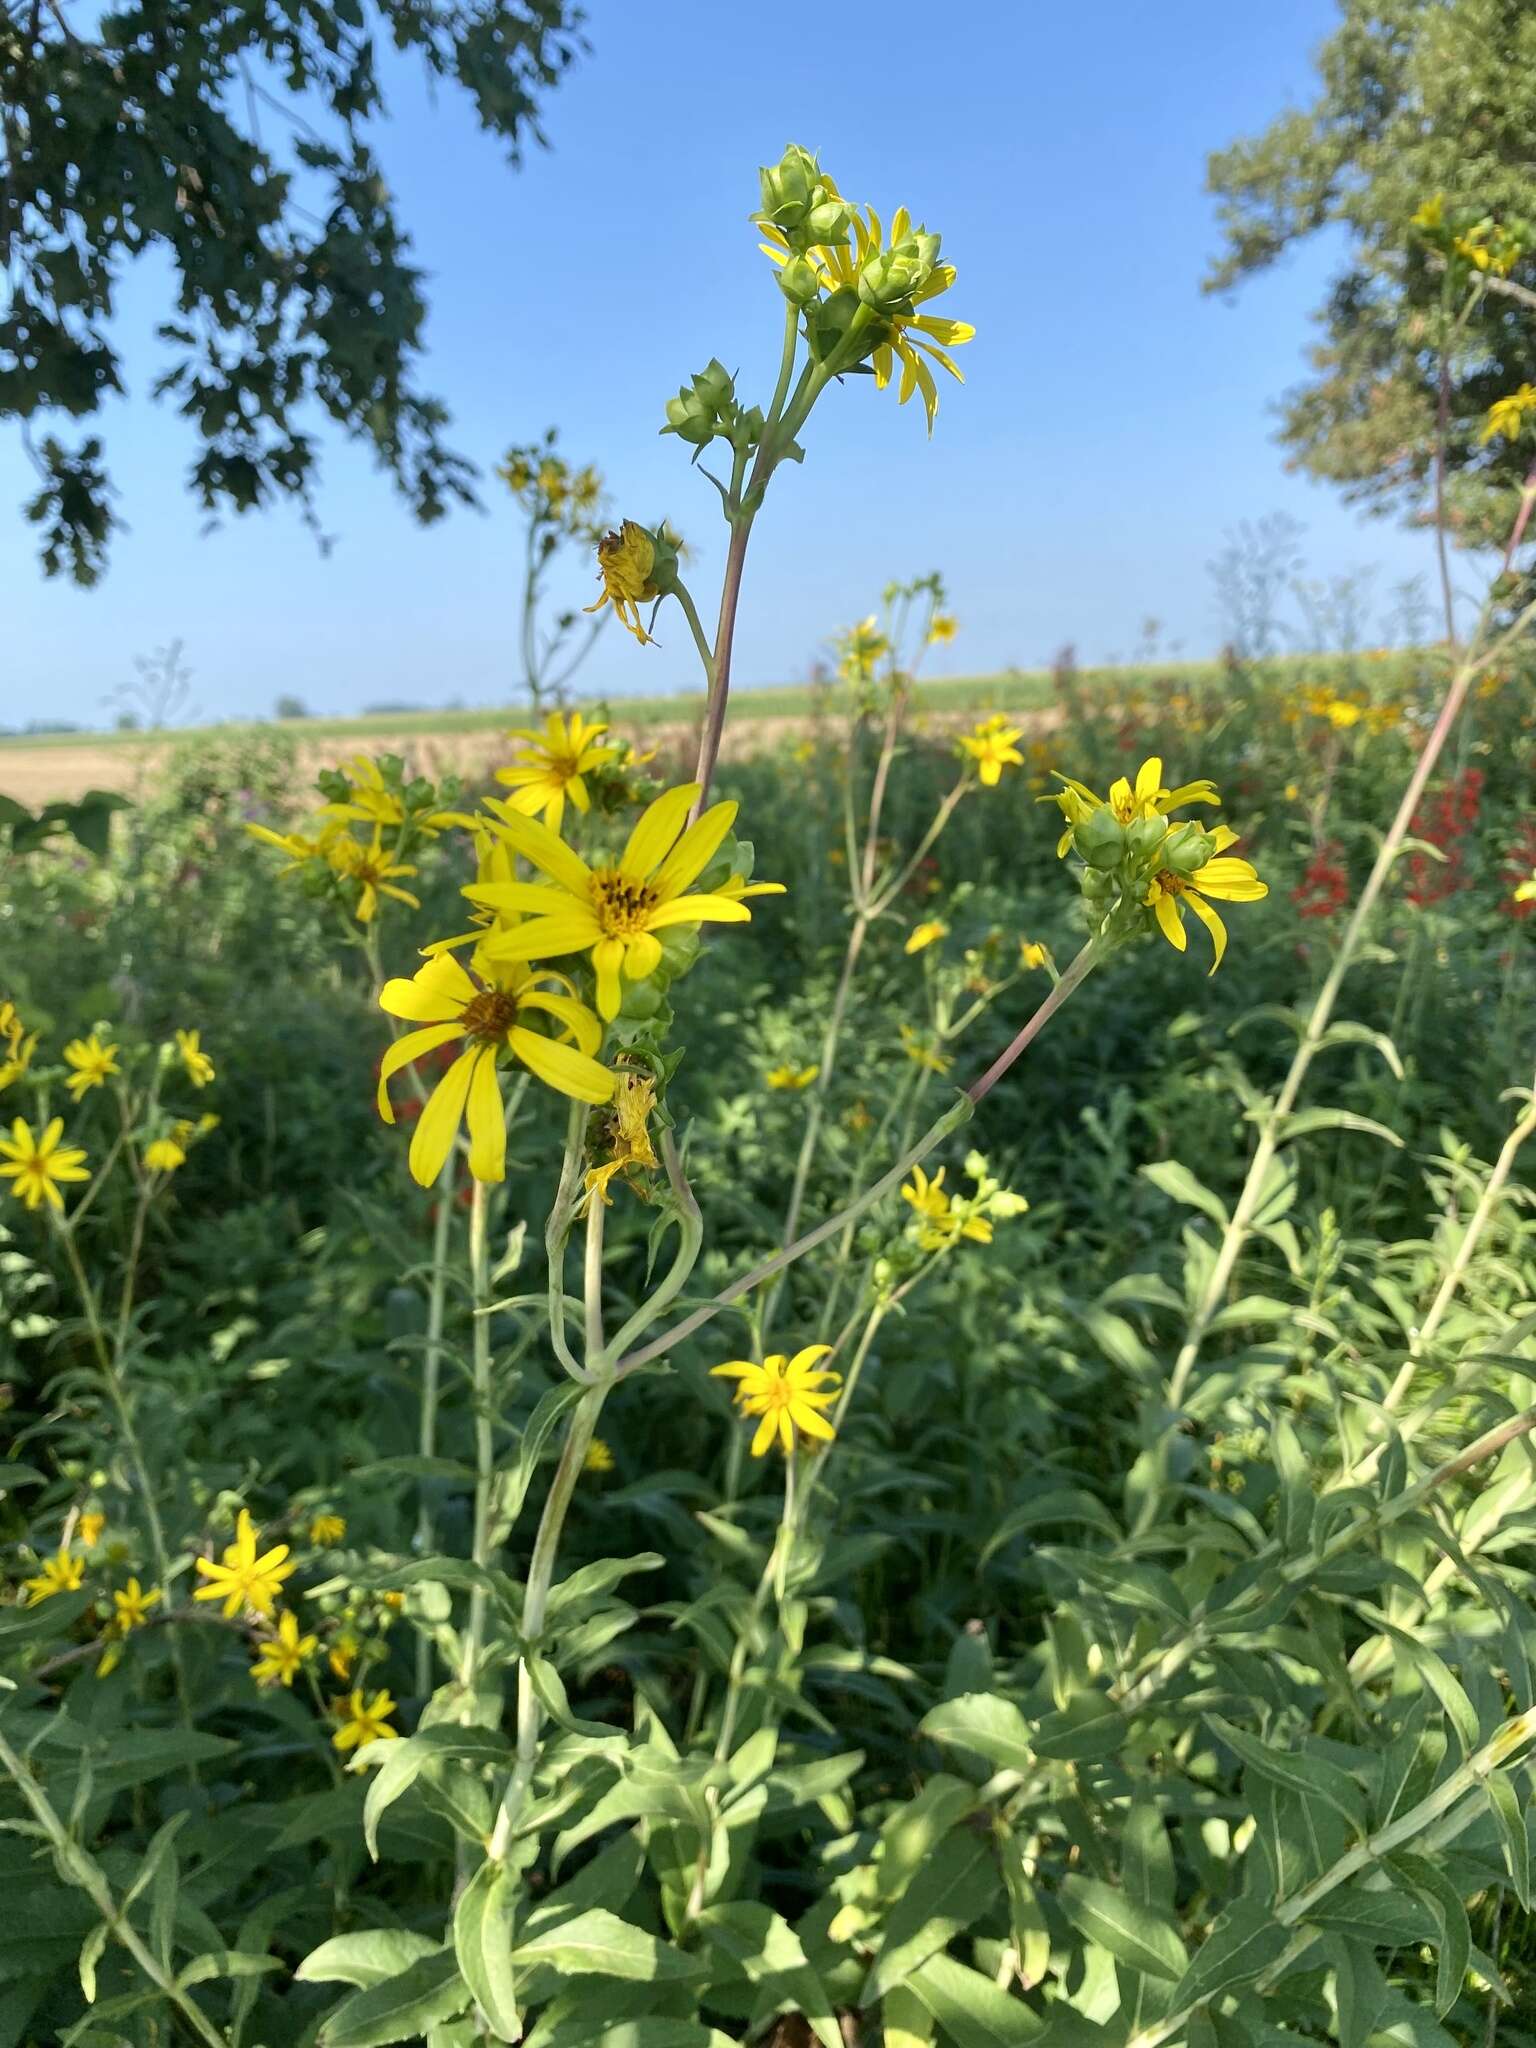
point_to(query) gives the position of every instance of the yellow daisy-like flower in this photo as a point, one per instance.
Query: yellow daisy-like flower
(788, 1076)
(300, 850)
(37, 1167)
(942, 627)
(1431, 214)
(1525, 892)
(16, 1047)
(1128, 801)
(624, 563)
(326, 1529)
(922, 1054)
(375, 871)
(280, 1658)
(787, 1393)
(131, 1605)
(626, 1138)
(489, 1013)
(1032, 955)
(200, 1068)
(245, 1579)
(1506, 416)
(92, 1062)
(342, 1654)
(993, 746)
(363, 1721)
(59, 1574)
(92, 1522)
(551, 766)
(1228, 879)
(164, 1155)
(614, 913)
(368, 798)
(937, 1222)
(860, 650)
(598, 1457)
(926, 934)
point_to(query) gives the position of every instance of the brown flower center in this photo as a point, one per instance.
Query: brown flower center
(623, 905)
(490, 1014)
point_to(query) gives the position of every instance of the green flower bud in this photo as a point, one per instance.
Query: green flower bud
(1100, 838)
(1187, 849)
(1145, 836)
(695, 415)
(828, 220)
(800, 281)
(788, 187)
(890, 277)
(829, 319)
(1096, 884)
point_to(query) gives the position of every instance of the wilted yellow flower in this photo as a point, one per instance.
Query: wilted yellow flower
(787, 1076)
(626, 1137)
(327, 1529)
(993, 747)
(787, 1393)
(92, 1062)
(16, 1047)
(164, 1155)
(1506, 416)
(92, 1522)
(199, 1067)
(61, 1573)
(551, 766)
(598, 1457)
(131, 1605)
(624, 563)
(926, 934)
(280, 1658)
(922, 1054)
(245, 1579)
(1228, 879)
(1032, 954)
(363, 1721)
(37, 1167)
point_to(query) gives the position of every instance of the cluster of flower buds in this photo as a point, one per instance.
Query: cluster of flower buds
(890, 279)
(802, 202)
(1121, 862)
(706, 410)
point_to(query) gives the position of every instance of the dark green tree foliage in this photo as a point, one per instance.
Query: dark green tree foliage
(1417, 97)
(235, 139)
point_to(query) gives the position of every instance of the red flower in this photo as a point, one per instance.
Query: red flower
(1323, 890)
(1442, 820)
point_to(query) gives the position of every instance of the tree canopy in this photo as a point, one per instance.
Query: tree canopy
(234, 137)
(1424, 104)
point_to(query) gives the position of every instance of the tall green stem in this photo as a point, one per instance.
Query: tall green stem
(485, 1437)
(431, 1387)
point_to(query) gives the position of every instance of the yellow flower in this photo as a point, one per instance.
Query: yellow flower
(626, 1139)
(1229, 880)
(614, 912)
(922, 1054)
(164, 1155)
(37, 1166)
(624, 563)
(245, 1579)
(860, 649)
(300, 851)
(1032, 954)
(92, 1522)
(598, 1458)
(938, 1223)
(992, 746)
(1506, 416)
(1431, 214)
(374, 871)
(1292, 792)
(16, 1048)
(1488, 247)
(488, 1013)
(788, 1394)
(551, 766)
(59, 1574)
(200, 1069)
(363, 1721)
(368, 799)
(942, 627)
(327, 1529)
(92, 1062)
(280, 1658)
(131, 1605)
(926, 934)
(787, 1076)
(342, 1654)
(1145, 798)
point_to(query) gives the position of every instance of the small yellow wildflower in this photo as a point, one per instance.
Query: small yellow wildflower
(369, 799)
(327, 1529)
(1431, 215)
(92, 1522)
(599, 1458)
(551, 765)
(59, 1574)
(1032, 955)
(342, 1654)
(922, 1054)
(131, 1605)
(626, 1137)
(200, 1068)
(993, 746)
(92, 1062)
(16, 1047)
(363, 1721)
(942, 627)
(624, 563)
(860, 650)
(376, 872)
(245, 1579)
(938, 1223)
(164, 1155)
(1506, 416)
(280, 1658)
(787, 1393)
(37, 1167)
(926, 934)
(1229, 880)
(787, 1076)
(1525, 892)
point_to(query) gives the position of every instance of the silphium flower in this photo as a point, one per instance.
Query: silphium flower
(490, 1010)
(61, 1573)
(615, 912)
(16, 1045)
(942, 627)
(788, 1394)
(38, 1167)
(371, 801)
(92, 1062)
(993, 746)
(928, 933)
(921, 1053)
(341, 1654)
(1228, 879)
(1128, 801)
(624, 563)
(375, 871)
(1506, 416)
(301, 851)
(327, 1529)
(1032, 955)
(281, 1657)
(245, 1578)
(551, 765)
(363, 1720)
(937, 1221)
(164, 1155)
(92, 1523)
(199, 1067)
(131, 1605)
(791, 1077)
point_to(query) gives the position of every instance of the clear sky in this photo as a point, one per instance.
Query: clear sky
(1114, 426)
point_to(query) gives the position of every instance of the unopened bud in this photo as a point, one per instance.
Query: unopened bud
(1096, 884)
(1145, 836)
(800, 281)
(1186, 850)
(890, 278)
(1100, 838)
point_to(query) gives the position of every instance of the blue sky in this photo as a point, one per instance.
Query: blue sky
(1114, 425)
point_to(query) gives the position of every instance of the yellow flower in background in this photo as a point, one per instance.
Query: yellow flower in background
(92, 1062)
(551, 765)
(489, 1014)
(342, 1654)
(327, 1529)
(1431, 214)
(626, 1136)
(376, 872)
(860, 650)
(993, 746)
(16, 1047)
(164, 1155)
(1032, 955)
(369, 799)
(787, 1393)
(363, 1721)
(787, 1076)
(922, 1054)
(624, 563)
(280, 1658)
(300, 851)
(38, 1167)
(937, 1221)
(598, 1457)
(614, 913)
(61, 1573)
(199, 1067)
(131, 1605)
(926, 934)
(942, 627)
(1228, 879)
(1488, 247)
(92, 1522)
(1506, 416)
(245, 1579)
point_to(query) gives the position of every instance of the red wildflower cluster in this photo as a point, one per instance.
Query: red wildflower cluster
(1444, 819)
(1519, 866)
(1323, 890)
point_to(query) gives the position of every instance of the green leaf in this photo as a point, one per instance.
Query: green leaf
(1302, 1122)
(1062, 1508)
(1088, 1727)
(766, 1949)
(1131, 1932)
(515, 1481)
(1359, 1989)
(1308, 1776)
(954, 1887)
(986, 1725)
(1445, 1902)
(372, 1956)
(397, 1765)
(593, 1580)
(1244, 1942)
(1509, 1814)
(911, 1834)
(598, 1943)
(973, 2011)
(482, 1942)
(399, 2009)
(905, 2022)
(1180, 1185)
